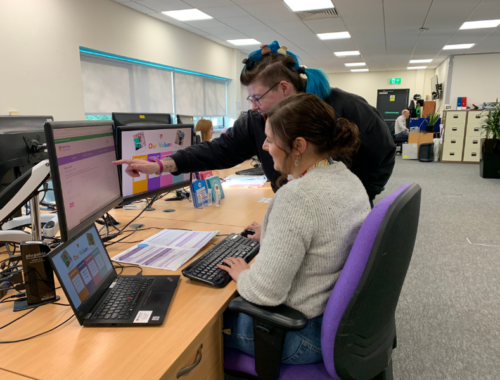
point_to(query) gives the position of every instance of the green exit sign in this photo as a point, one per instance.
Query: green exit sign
(395, 80)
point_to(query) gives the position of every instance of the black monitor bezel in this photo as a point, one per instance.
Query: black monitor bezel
(56, 179)
(118, 145)
(179, 116)
(145, 118)
(107, 281)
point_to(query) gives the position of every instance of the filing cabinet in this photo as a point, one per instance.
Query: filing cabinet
(462, 136)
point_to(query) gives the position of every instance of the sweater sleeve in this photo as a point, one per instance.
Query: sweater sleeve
(230, 149)
(286, 239)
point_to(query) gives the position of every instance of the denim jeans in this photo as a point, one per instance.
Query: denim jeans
(301, 347)
(402, 135)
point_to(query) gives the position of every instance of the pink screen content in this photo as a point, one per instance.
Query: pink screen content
(89, 181)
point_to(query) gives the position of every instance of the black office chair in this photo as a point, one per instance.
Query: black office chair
(358, 332)
(399, 142)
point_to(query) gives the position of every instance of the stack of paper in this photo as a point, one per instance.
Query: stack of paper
(245, 181)
(168, 249)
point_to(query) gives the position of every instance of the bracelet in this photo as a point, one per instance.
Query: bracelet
(159, 163)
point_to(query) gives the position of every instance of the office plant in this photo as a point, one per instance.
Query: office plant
(432, 118)
(489, 166)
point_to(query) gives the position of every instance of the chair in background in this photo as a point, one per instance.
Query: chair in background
(399, 142)
(359, 332)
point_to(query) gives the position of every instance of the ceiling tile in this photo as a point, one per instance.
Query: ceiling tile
(208, 3)
(164, 5)
(138, 7)
(326, 25)
(255, 1)
(270, 13)
(237, 22)
(201, 24)
(221, 12)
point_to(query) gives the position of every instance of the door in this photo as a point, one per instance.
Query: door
(390, 103)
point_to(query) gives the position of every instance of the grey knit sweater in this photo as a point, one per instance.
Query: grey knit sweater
(307, 233)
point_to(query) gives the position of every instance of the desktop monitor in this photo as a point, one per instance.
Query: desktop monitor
(184, 119)
(145, 143)
(21, 140)
(86, 183)
(120, 118)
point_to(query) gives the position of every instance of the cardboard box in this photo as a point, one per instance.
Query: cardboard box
(410, 151)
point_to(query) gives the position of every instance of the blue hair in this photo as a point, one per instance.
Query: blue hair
(317, 82)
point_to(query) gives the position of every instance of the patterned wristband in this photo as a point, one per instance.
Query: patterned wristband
(159, 163)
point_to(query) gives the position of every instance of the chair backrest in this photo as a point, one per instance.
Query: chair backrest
(358, 333)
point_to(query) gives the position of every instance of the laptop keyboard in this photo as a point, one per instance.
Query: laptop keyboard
(205, 268)
(122, 301)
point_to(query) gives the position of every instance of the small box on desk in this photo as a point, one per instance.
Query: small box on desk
(410, 151)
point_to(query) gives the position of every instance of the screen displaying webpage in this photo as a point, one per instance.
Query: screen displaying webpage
(89, 180)
(149, 144)
(82, 266)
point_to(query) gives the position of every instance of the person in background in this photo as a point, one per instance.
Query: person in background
(309, 227)
(272, 74)
(400, 130)
(206, 128)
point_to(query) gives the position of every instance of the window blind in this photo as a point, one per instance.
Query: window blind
(115, 86)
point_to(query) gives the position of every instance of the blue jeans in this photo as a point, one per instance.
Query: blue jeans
(402, 135)
(301, 347)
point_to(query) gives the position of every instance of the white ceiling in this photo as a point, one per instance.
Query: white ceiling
(386, 32)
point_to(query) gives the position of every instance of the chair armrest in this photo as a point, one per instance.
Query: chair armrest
(270, 325)
(281, 316)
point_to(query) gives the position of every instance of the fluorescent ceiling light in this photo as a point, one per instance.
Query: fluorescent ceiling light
(359, 70)
(480, 24)
(309, 5)
(346, 53)
(421, 61)
(458, 46)
(416, 67)
(248, 41)
(188, 15)
(355, 64)
(334, 36)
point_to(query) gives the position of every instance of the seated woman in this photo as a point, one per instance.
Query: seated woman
(206, 128)
(309, 227)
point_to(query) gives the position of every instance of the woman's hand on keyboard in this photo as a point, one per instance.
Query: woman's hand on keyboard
(234, 266)
(254, 227)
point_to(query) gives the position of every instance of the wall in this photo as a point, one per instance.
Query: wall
(442, 72)
(476, 76)
(367, 84)
(40, 64)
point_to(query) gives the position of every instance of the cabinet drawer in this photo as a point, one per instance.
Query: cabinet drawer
(456, 117)
(203, 358)
(452, 154)
(472, 142)
(475, 118)
(453, 143)
(474, 130)
(454, 130)
(472, 155)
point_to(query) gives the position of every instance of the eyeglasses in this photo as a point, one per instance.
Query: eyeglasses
(257, 99)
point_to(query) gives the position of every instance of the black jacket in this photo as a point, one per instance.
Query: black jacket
(373, 163)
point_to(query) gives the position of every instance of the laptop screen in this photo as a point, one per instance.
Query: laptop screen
(82, 266)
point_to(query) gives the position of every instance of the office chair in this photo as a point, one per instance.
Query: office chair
(358, 331)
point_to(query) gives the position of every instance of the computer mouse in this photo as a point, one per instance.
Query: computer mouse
(247, 232)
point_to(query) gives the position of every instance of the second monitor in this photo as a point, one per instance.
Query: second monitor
(145, 142)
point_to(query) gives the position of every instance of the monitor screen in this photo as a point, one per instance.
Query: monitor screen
(86, 183)
(121, 118)
(146, 143)
(82, 267)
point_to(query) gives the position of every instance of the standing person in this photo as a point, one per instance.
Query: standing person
(272, 74)
(206, 128)
(309, 227)
(400, 130)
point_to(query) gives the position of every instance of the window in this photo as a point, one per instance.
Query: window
(115, 86)
(199, 96)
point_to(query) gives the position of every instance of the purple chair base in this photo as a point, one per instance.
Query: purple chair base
(235, 360)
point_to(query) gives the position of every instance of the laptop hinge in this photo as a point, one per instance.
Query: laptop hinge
(88, 316)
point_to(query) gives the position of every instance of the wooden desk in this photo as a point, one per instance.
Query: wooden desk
(4, 375)
(194, 317)
(420, 138)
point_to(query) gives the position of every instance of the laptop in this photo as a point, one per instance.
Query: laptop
(101, 298)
